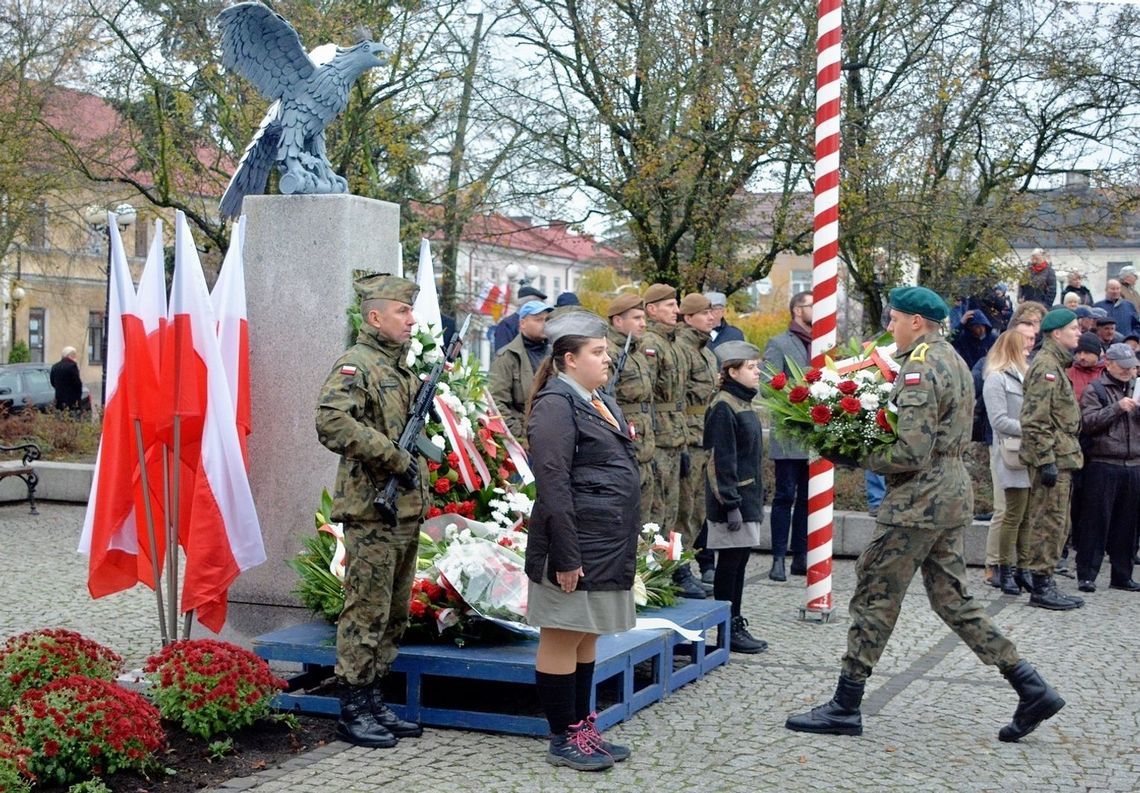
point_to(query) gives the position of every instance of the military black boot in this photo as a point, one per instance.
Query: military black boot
(1037, 701)
(357, 725)
(741, 641)
(1046, 596)
(389, 720)
(1008, 585)
(840, 716)
(687, 585)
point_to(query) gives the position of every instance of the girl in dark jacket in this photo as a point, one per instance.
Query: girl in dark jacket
(734, 492)
(582, 538)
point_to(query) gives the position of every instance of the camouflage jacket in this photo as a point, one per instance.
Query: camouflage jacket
(668, 392)
(1050, 415)
(927, 483)
(361, 412)
(699, 375)
(634, 392)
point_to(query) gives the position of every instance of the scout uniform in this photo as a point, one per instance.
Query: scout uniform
(927, 508)
(361, 411)
(699, 375)
(668, 410)
(634, 394)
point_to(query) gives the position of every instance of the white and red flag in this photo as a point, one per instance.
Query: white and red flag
(228, 300)
(222, 536)
(490, 297)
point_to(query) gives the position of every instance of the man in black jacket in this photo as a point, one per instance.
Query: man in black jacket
(66, 381)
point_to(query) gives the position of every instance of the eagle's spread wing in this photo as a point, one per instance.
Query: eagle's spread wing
(263, 47)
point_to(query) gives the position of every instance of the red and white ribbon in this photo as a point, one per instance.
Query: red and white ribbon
(454, 434)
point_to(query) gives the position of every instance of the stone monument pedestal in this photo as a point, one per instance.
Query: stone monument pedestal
(300, 254)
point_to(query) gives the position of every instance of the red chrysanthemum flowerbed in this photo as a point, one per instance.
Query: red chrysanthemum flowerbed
(210, 687)
(34, 659)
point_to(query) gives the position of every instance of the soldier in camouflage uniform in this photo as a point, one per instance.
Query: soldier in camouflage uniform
(634, 388)
(928, 506)
(700, 372)
(669, 412)
(362, 410)
(1050, 421)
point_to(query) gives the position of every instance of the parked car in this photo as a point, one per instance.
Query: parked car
(25, 385)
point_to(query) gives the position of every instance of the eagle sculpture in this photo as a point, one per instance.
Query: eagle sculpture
(307, 93)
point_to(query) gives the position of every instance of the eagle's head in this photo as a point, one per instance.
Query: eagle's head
(365, 54)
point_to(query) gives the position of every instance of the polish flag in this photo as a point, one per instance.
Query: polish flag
(111, 526)
(222, 536)
(488, 298)
(228, 300)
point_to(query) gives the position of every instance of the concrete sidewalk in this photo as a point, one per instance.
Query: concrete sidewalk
(931, 714)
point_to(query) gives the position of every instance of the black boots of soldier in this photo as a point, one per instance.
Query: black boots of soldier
(1037, 701)
(840, 716)
(1045, 595)
(366, 721)
(1005, 578)
(741, 641)
(688, 586)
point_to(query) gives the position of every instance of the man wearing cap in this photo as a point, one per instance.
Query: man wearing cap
(1087, 364)
(1109, 497)
(789, 459)
(665, 366)
(921, 523)
(1086, 319)
(1119, 308)
(512, 371)
(721, 331)
(1050, 421)
(66, 381)
(361, 411)
(699, 373)
(633, 388)
(508, 327)
(1127, 276)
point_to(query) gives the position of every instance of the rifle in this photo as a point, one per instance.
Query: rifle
(612, 384)
(412, 439)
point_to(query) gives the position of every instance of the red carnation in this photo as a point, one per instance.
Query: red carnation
(417, 608)
(452, 508)
(848, 387)
(881, 420)
(453, 459)
(505, 542)
(850, 405)
(432, 465)
(798, 394)
(813, 375)
(435, 512)
(443, 485)
(779, 381)
(821, 414)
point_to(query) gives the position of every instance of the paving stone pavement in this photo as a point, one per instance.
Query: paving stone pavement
(931, 713)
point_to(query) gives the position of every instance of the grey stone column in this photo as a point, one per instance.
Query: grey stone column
(300, 254)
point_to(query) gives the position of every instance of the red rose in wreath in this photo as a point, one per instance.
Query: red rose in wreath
(821, 414)
(813, 375)
(850, 405)
(435, 512)
(798, 394)
(443, 485)
(779, 381)
(848, 387)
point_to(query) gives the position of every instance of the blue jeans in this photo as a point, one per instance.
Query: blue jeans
(789, 507)
(876, 488)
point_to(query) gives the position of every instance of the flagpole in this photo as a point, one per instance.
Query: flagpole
(172, 538)
(150, 535)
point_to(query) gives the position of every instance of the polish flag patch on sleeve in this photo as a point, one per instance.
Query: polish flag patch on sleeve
(348, 370)
(1050, 377)
(912, 378)
(652, 353)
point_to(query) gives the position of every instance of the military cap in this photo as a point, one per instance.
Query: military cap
(659, 292)
(736, 351)
(717, 298)
(623, 303)
(1058, 318)
(694, 302)
(921, 301)
(575, 323)
(386, 287)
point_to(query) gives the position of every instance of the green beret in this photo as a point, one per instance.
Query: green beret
(921, 301)
(1057, 318)
(387, 287)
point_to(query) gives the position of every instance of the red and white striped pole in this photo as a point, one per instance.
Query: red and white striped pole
(824, 281)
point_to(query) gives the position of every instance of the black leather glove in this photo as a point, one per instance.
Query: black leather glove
(685, 464)
(410, 477)
(1049, 475)
(735, 520)
(842, 460)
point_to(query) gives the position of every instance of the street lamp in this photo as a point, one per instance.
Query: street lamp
(96, 217)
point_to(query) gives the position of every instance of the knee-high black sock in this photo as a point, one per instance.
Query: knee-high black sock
(583, 687)
(556, 695)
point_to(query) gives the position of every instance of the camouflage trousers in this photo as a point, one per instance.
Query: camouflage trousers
(691, 501)
(667, 487)
(884, 571)
(1049, 520)
(381, 565)
(648, 487)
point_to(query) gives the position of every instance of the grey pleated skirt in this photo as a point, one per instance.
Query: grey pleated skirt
(748, 536)
(610, 611)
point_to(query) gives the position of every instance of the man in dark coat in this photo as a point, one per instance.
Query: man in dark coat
(722, 331)
(66, 381)
(975, 338)
(1119, 308)
(508, 328)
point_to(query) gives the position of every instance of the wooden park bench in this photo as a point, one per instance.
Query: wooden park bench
(22, 468)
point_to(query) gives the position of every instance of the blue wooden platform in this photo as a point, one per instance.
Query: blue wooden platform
(436, 677)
